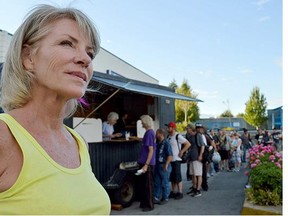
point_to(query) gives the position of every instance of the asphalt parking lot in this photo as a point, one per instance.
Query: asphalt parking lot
(225, 197)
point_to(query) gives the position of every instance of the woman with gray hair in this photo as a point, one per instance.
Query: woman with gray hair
(147, 161)
(44, 165)
(108, 126)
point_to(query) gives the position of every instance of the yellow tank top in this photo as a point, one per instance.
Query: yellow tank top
(45, 187)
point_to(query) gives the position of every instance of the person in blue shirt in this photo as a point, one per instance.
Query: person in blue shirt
(164, 156)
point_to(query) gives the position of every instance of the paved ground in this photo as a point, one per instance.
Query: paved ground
(225, 197)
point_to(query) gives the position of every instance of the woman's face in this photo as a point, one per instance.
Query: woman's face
(62, 63)
(112, 121)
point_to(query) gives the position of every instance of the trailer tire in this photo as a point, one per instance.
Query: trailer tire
(125, 195)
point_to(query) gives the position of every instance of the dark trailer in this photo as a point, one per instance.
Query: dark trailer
(114, 161)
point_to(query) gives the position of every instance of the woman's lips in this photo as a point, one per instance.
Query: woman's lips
(79, 74)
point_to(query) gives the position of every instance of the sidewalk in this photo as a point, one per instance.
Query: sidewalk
(224, 197)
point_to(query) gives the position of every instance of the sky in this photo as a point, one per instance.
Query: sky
(223, 48)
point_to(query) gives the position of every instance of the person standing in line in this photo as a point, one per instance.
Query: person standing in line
(246, 140)
(163, 168)
(147, 160)
(196, 157)
(207, 155)
(175, 176)
(236, 151)
(224, 152)
(276, 136)
(216, 141)
(44, 165)
(259, 136)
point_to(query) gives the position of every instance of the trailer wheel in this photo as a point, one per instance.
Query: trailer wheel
(126, 193)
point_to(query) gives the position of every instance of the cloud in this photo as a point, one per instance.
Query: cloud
(108, 41)
(260, 3)
(246, 71)
(264, 19)
(204, 94)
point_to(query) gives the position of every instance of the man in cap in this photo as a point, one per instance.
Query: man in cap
(176, 140)
(196, 153)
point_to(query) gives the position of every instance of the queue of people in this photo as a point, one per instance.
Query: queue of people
(208, 153)
(162, 161)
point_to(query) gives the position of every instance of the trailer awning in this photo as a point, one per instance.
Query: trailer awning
(143, 88)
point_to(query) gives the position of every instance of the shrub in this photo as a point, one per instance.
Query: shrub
(265, 176)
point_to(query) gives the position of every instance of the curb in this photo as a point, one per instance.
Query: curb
(251, 209)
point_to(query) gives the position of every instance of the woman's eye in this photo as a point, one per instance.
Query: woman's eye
(66, 42)
(91, 55)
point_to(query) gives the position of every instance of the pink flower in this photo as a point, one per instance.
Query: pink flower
(253, 165)
(277, 154)
(246, 173)
(257, 161)
(271, 157)
(278, 165)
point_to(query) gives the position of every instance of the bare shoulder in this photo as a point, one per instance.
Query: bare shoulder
(10, 158)
(6, 139)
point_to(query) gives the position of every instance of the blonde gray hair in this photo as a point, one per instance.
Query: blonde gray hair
(16, 81)
(112, 116)
(146, 119)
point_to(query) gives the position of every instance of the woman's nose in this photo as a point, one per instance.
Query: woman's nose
(82, 58)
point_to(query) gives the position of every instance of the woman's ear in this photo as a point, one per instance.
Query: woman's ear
(26, 56)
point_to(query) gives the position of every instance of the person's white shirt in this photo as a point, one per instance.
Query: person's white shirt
(107, 129)
(204, 139)
(175, 149)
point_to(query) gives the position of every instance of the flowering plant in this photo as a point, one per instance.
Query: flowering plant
(260, 154)
(265, 175)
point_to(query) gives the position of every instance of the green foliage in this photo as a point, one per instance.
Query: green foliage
(255, 111)
(186, 111)
(181, 127)
(263, 197)
(173, 85)
(240, 115)
(266, 176)
(226, 113)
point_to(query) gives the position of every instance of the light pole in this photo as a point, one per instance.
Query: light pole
(226, 103)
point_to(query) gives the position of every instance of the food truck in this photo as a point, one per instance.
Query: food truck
(114, 162)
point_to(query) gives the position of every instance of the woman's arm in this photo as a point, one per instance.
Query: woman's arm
(149, 157)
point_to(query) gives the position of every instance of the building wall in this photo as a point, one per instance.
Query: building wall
(107, 61)
(103, 61)
(275, 118)
(5, 39)
(235, 123)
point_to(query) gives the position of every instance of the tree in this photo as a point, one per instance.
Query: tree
(255, 111)
(227, 113)
(240, 115)
(173, 85)
(187, 111)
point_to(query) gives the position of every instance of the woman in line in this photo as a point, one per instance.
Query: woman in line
(44, 165)
(236, 151)
(147, 161)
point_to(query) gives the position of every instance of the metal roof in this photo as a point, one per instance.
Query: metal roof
(139, 87)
